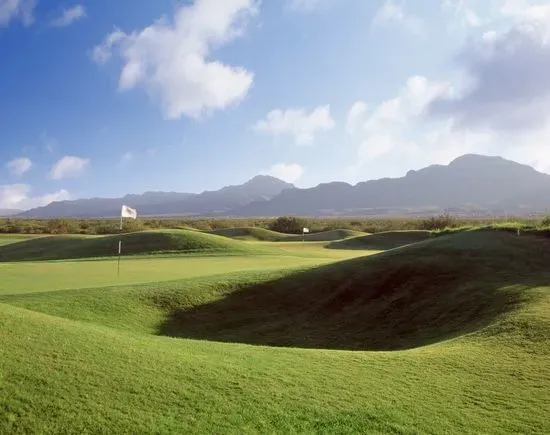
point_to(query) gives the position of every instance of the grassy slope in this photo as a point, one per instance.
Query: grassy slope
(146, 242)
(261, 234)
(66, 374)
(382, 241)
(6, 239)
(31, 277)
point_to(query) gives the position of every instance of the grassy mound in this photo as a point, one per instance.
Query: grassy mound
(146, 242)
(324, 236)
(382, 241)
(400, 299)
(6, 239)
(261, 234)
(87, 360)
(250, 233)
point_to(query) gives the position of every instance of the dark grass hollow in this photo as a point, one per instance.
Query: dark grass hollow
(406, 298)
(382, 241)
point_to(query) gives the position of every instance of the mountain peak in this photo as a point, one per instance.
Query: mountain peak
(266, 179)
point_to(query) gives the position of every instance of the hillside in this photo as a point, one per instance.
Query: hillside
(261, 234)
(471, 183)
(259, 188)
(145, 242)
(471, 308)
(381, 241)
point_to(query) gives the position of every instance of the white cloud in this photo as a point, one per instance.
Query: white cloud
(508, 81)
(286, 172)
(68, 166)
(392, 13)
(356, 117)
(298, 123)
(19, 166)
(464, 9)
(126, 158)
(172, 60)
(69, 16)
(17, 9)
(390, 127)
(17, 196)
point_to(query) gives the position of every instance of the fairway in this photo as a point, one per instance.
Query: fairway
(445, 335)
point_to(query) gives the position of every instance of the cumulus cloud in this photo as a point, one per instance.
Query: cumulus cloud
(286, 172)
(18, 196)
(391, 13)
(68, 166)
(508, 82)
(19, 166)
(126, 158)
(69, 16)
(11, 10)
(389, 129)
(298, 123)
(356, 117)
(465, 11)
(173, 61)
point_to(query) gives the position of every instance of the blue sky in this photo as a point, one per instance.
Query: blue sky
(103, 98)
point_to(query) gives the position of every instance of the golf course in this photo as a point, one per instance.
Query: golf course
(247, 330)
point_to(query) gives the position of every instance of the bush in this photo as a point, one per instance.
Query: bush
(288, 224)
(439, 222)
(546, 222)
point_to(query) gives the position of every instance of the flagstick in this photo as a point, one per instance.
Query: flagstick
(119, 246)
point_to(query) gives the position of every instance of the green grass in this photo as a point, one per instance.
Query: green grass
(262, 234)
(6, 239)
(467, 317)
(140, 243)
(382, 241)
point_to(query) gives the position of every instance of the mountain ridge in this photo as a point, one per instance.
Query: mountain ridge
(258, 188)
(471, 183)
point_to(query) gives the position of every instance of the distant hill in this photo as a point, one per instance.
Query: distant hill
(9, 212)
(468, 185)
(471, 183)
(259, 188)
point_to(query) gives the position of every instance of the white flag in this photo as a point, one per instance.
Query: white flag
(306, 230)
(128, 212)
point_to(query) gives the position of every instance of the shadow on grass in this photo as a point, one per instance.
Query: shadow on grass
(382, 241)
(400, 299)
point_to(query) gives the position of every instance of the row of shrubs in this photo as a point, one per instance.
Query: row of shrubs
(285, 224)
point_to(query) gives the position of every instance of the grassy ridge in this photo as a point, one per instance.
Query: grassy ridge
(262, 234)
(146, 242)
(382, 241)
(417, 295)
(102, 368)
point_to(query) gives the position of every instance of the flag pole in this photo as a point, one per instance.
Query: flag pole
(119, 246)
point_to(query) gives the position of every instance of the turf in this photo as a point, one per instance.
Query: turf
(262, 234)
(32, 277)
(472, 311)
(145, 242)
(382, 241)
(6, 239)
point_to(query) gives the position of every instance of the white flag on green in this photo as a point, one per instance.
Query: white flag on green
(128, 212)
(306, 230)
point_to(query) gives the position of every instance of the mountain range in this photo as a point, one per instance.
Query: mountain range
(9, 212)
(471, 184)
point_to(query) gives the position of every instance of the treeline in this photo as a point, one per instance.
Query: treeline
(285, 224)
